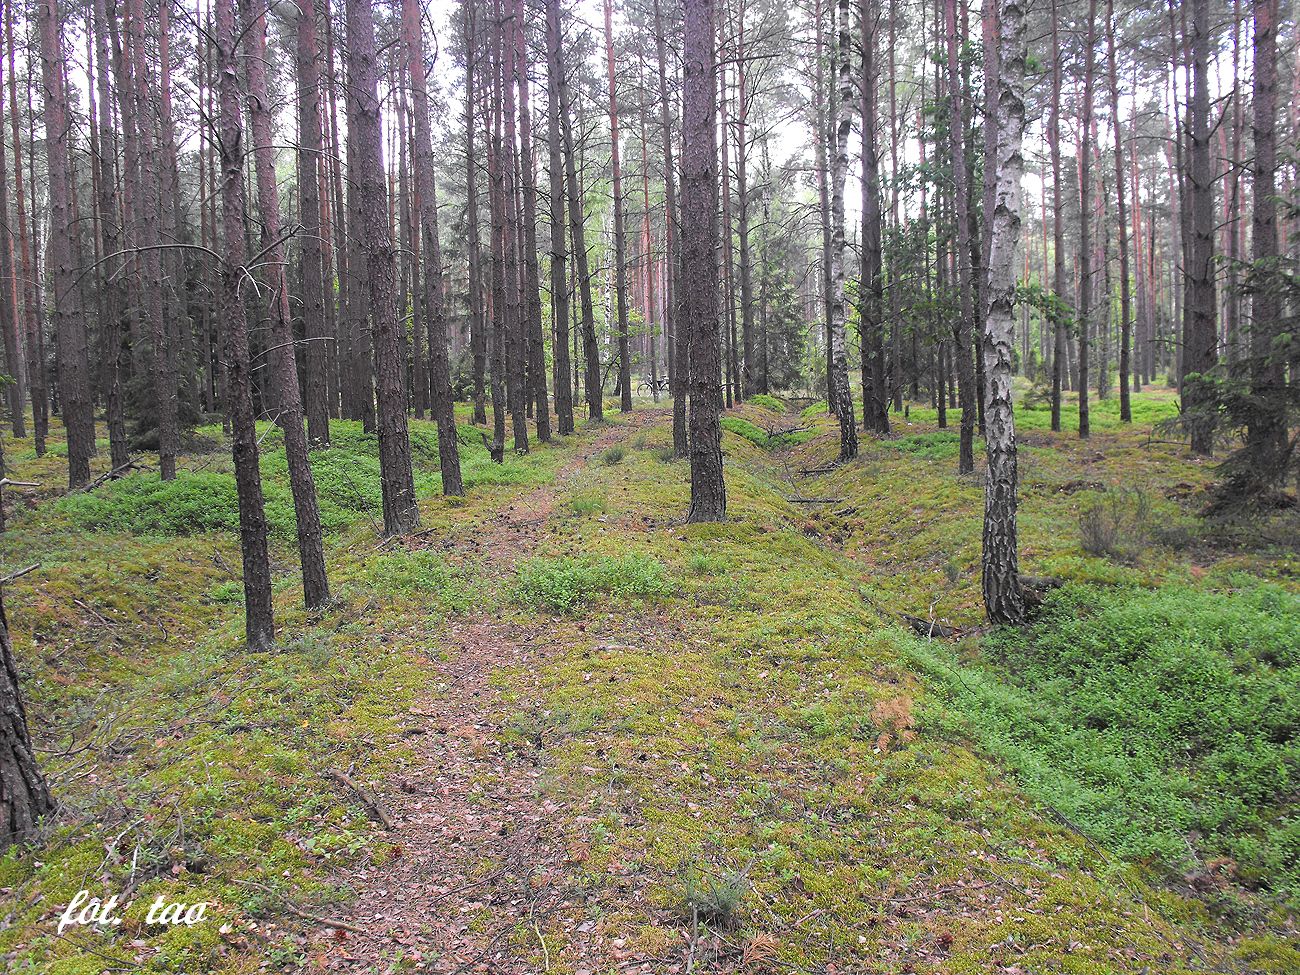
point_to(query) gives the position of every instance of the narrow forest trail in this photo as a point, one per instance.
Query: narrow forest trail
(479, 857)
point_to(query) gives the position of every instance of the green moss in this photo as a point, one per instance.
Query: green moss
(563, 583)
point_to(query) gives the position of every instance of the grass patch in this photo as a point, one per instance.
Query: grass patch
(420, 573)
(564, 583)
(1151, 717)
(612, 455)
(767, 402)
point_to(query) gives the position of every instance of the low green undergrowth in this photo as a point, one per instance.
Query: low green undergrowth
(562, 584)
(767, 402)
(1161, 723)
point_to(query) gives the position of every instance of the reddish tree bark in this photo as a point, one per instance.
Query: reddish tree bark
(397, 481)
(620, 246)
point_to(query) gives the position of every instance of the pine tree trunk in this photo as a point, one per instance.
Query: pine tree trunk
(441, 402)
(1085, 218)
(1200, 343)
(875, 397)
(531, 306)
(578, 239)
(70, 327)
(515, 335)
(620, 244)
(699, 295)
(962, 254)
(1057, 316)
(1267, 432)
(311, 551)
(478, 317)
(259, 618)
(842, 397)
(1125, 300)
(401, 515)
(315, 377)
(823, 132)
(24, 796)
(496, 170)
(678, 362)
(149, 237)
(559, 252)
(15, 353)
(748, 361)
(1001, 584)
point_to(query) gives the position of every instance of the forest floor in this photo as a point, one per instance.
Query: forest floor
(560, 731)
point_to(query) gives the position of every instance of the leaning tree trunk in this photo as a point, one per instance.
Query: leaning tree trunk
(620, 248)
(1002, 596)
(559, 252)
(397, 481)
(441, 401)
(259, 617)
(70, 327)
(311, 550)
(24, 796)
(699, 296)
(840, 394)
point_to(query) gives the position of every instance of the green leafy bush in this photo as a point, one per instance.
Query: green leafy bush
(563, 583)
(1148, 717)
(939, 445)
(750, 431)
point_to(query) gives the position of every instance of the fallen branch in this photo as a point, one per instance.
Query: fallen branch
(815, 500)
(20, 573)
(298, 912)
(368, 798)
(930, 628)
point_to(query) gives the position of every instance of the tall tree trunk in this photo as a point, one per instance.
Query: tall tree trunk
(149, 237)
(1200, 343)
(70, 327)
(31, 304)
(699, 296)
(24, 795)
(316, 385)
(1267, 431)
(961, 205)
(397, 480)
(822, 134)
(111, 234)
(259, 617)
(532, 304)
(620, 247)
(578, 238)
(10, 324)
(875, 396)
(1001, 583)
(678, 362)
(842, 396)
(559, 252)
(441, 403)
(749, 365)
(500, 307)
(1085, 216)
(478, 318)
(1125, 301)
(1057, 316)
(311, 552)
(515, 331)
